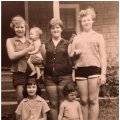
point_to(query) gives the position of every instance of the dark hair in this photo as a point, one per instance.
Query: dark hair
(68, 88)
(31, 81)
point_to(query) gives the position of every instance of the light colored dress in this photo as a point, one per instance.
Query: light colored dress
(25, 110)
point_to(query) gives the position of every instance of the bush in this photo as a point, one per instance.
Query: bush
(111, 88)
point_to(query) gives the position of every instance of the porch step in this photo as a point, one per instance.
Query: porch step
(7, 84)
(8, 108)
(6, 75)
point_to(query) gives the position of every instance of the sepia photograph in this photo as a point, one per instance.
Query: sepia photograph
(59, 60)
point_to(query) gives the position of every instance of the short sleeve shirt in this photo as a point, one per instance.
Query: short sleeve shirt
(25, 110)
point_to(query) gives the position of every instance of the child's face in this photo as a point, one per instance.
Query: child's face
(72, 96)
(32, 89)
(56, 31)
(33, 35)
(87, 22)
(20, 29)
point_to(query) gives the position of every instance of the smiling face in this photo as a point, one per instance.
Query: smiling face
(20, 29)
(56, 31)
(72, 96)
(33, 34)
(87, 22)
(31, 90)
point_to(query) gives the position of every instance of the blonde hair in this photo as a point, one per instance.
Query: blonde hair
(56, 21)
(37, 30)
(88, 11)
(17, 20)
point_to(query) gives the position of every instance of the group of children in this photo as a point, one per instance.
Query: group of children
(34, 107)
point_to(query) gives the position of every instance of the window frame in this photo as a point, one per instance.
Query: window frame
(76, 7)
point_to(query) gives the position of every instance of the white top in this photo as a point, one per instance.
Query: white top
(89, 44)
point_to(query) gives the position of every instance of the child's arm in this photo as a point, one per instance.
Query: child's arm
(37, 45)
(44, 117)
(80, 112)
(18, 117)
(60, 116)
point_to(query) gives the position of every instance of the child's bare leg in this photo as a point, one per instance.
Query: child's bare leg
(32, 67)
(38, 72)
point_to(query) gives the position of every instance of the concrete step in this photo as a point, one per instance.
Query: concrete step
(7, 84)
(8, 108)
(6, 75)
(10, 95)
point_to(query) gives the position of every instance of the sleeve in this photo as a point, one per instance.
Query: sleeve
(45, 107)
(19, 109)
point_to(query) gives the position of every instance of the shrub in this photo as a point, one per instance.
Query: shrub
(111, 88)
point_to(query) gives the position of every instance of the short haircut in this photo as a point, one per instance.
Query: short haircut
(88, 11)
(37, 30)
(32, 81)
(68, 88)
(17, 20)
(56, 21)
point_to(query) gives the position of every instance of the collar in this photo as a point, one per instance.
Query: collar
(38, 98)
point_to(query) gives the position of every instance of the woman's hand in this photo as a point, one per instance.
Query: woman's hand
(102, 79)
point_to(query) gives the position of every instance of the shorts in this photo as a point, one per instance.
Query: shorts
(36, 60)
(87, 72)
(57, 80)
(19, 78)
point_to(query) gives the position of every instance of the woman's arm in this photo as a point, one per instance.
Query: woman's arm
(103, 60)
(16, 55)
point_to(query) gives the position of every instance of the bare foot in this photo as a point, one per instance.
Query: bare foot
(32, 74)
(38, 76)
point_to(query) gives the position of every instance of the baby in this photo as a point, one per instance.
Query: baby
(35, 34)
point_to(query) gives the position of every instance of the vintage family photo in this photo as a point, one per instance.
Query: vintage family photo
(59, 60)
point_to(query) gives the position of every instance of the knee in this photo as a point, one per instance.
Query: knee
(93, 100)
(54, 104)
(19, 93)
(84, 101)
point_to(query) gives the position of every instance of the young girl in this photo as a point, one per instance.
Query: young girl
(70, 109)
(35, 34)
(90, 64)
(32, 107)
